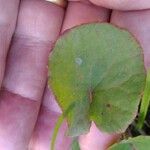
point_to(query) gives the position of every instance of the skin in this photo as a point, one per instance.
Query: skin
(28, 28)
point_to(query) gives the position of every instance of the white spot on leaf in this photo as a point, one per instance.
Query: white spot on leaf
(78, 61)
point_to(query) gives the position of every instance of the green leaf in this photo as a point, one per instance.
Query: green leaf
(138, 143)
(100, 68)
(145, 102)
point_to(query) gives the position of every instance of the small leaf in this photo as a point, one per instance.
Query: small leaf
(100, 68)
(145, 102)
(138, 143)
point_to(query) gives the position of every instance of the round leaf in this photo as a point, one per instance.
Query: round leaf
(99, 69)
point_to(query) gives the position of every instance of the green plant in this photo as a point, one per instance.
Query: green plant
(98, 71)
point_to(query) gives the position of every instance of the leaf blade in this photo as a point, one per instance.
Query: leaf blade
(85, 68)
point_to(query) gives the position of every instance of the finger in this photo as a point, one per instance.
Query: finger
(35, 33)
(8, 16)
(74, 16)
(38, 26)
(123, 4)
(138, 23)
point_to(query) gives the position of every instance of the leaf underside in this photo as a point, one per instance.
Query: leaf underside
(138, 143)
(100, 69)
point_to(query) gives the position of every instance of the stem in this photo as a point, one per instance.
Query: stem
(145, 102)
(56, 129)
(58, 125)
(75, 144)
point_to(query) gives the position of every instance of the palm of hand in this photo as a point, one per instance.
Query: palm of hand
(24, 117)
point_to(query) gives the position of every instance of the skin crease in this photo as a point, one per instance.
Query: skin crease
(26, 117)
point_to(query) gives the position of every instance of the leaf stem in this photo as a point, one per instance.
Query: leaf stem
(75, 144)
(145, 102)
(56, 129)
(58, 125)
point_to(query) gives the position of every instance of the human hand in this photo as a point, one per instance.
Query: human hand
(28, 111)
